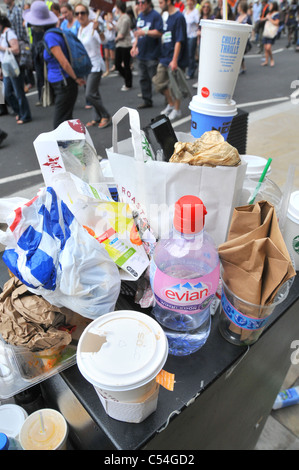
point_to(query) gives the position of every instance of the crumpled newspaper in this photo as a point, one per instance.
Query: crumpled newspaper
(29, 320)
(209, 150)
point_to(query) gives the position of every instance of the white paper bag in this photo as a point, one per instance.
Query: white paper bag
(154, 186)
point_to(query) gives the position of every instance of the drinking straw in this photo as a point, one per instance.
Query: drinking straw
(41, 422)
(225, 10)
(286, 197)
(260, 181)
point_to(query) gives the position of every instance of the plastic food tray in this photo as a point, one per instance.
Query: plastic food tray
(21, 368)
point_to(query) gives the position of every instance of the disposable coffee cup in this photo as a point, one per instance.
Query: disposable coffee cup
(120, 354)
(291, 229)
(45, 429)
(210, 116)
(222, 47)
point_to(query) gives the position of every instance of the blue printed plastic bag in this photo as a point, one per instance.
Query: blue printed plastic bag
(55, 257)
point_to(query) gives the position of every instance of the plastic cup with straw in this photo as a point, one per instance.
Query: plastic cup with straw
(251, 201)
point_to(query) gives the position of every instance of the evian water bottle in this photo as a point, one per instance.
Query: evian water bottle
(184, 277)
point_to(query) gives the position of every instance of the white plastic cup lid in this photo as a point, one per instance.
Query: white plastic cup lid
(212, 109)
(12, 418)
(227, 25)
(255, 165)
(122, 350)
(293, 209)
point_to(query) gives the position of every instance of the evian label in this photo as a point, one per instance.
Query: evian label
(184, 295)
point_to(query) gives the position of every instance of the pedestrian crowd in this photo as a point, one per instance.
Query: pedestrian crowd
(158, 40)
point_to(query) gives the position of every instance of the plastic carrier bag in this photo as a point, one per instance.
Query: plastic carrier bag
(55, 257)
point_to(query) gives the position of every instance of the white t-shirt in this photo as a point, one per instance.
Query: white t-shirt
(3, 43)
(192, 22)
(92, 43)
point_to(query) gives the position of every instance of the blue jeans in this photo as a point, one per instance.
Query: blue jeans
(191, 45)
(16, 98)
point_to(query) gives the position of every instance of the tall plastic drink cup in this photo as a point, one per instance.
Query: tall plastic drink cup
(222, 48)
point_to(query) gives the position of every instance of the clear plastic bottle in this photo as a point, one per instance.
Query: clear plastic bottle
(184, 276)
(9, 443)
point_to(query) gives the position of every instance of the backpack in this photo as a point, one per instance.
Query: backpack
(78, 56)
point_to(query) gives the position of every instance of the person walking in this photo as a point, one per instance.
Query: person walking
(68, 20)
(92, 40)
(173, 55)
(14, 14)
(109, 46)
(147, 48)
(191, 15)
(243, 18)
(13, 86)
(271, 25)
(123, 45)
(61, 76)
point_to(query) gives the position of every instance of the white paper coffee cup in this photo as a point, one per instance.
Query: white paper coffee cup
(291, 229)
(45, 429)
(222, 47)
(121, 353)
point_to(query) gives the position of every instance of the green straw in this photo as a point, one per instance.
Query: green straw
(260, 181)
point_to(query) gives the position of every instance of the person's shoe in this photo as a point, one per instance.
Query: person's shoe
(105, 122)
(144, 105)
(105, 74)
(175, 114)
(125, 88)
(3, 136)
(167, 110)
(38, 103)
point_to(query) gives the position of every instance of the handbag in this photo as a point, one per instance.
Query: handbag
(270, 30)
(25, 56)
(178, 84)
(10, 67)
(153, 187)
(47, 92)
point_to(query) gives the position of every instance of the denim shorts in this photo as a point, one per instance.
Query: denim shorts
(109, 45)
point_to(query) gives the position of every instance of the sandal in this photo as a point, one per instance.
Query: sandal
(91, 123)
(105, 122)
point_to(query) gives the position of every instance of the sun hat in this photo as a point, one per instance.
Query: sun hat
(39, 14)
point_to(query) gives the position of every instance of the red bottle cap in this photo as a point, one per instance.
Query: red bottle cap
(189, 215)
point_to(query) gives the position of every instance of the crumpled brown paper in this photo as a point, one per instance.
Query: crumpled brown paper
(29, 320)
(255, 259)
(209, 150)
